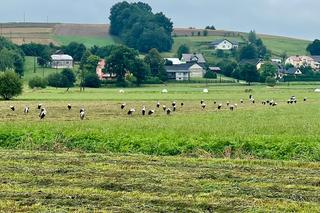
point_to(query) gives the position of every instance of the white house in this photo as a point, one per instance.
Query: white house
(298, 61)
(61, 61)
(224, 44)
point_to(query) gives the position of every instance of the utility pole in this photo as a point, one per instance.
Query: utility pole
(34, 64)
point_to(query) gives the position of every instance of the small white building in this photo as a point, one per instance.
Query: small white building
(61, 61)
(224, 44)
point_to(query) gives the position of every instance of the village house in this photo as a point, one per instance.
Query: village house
(178, 72)
(61, 61)
(190, 66)
(257, 62)
(224, 44)
(196, 63)
(298, 61)
(292, 71)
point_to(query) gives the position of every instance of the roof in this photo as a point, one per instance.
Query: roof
(196, 57)
(215, 69)
(316, 58)
(254, 61)
(178, 68)
(61, 57)
(174, 61)
(292, 71)
(219, 41)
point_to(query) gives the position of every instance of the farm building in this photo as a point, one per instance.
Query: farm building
(61, 61)
(224, 44)
(193, 58)
(190, 66)
(178, 72)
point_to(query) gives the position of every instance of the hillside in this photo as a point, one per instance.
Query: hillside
(96, 34)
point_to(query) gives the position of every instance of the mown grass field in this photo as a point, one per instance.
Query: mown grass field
(254, 159)
(251, 131)
(80, 182)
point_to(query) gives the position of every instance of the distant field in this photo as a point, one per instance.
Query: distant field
(79, 182)
(97, 34)
(88, 41)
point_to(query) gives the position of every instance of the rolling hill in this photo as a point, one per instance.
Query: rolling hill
(97, 34)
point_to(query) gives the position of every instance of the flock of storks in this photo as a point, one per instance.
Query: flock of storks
(167, 110)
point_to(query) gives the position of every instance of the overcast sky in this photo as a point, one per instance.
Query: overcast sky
(295, 18)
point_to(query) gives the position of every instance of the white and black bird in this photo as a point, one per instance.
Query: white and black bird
(164, 107)
(26, 110)
(232, 107)
(220, 106)
(228, 103)
(13, 108)
(168, 111)
(131, 111)
(43, 113)
(151, 112)
(174, 104)
(82, 113)
(69, 107)
(214, 102)
(305, 99)
(203, 106)
(123, 106)
(143, 111)
(182, 104)
(202, 101)
(158, 104)
(39, 106)
(241, 101)
(174, 108)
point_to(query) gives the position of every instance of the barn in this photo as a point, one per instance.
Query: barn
(61, 61)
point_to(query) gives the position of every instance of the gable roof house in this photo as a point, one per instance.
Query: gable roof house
(193, 58)
(298, 61)
(292, 71)
(61, 61)
(257, 62)
(178, 72)
(224, 44)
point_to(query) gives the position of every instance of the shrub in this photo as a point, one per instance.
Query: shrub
(54, 80)
(92, 80)
(65, 79)
(38, 82)
(10, 85)
(70, 76)
(271, 82)
(210, 75)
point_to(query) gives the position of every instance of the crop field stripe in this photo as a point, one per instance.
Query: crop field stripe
(42, 181)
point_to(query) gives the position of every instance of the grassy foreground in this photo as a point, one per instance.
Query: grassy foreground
(64, 182)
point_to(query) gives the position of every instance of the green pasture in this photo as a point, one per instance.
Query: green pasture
(88, 41)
